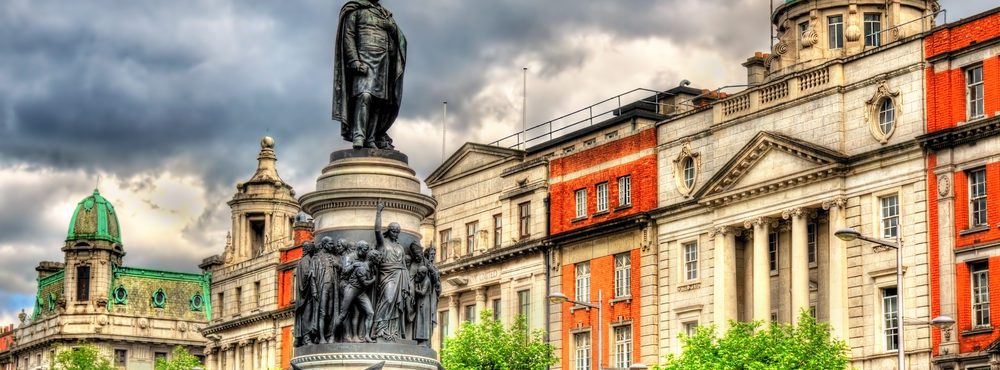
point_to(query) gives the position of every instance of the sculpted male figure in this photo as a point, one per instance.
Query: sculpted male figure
(368, 73)
(358, 276)
(307, 304)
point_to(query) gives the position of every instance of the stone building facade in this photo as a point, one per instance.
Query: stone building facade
(6, 344)
(250, 323)
(963, 177)
(133, 316)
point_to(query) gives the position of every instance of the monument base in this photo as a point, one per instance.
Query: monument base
(362, 356)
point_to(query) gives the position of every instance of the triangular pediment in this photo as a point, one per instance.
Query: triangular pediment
(471, 158)
(769, 162)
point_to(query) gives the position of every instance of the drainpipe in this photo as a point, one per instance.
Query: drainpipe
(547, 254)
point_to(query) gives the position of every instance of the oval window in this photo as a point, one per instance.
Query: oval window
(886, 116)
(159, 298)
(197, 302)
(120, 295)
(689, 172)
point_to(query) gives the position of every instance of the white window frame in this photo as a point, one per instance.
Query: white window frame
(582, 344)
(445, 236)
(689, 328)
(886, 116)
(690, 258)
(470, 237)
(888, 216)
(977, 197)
(470, 313)
(524, 305)
(602, 197)
(623, 346)
(625, 191)
(890, 318)
(835, 39)
(873, 29)
(974, 99)
(773, 245)
(623, 275)
(979, 284)
(690, 171)
(582, 272)
(497, 230)
(581, 202)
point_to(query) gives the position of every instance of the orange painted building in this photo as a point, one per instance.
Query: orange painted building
(6, 344)
(963, 161)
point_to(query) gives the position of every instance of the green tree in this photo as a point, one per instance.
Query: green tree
(750, 346)
(180, 359)
(487, 345)
(82, 357)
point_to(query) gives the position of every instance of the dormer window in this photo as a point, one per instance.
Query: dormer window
(836, 31)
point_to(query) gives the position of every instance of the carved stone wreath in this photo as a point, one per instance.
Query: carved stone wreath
(682, 186)
(872, 111)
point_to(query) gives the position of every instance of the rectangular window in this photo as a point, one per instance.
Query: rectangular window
(159, 356)
(121, 358)
(812, 238)
(83, 283)
(602, 197)
(836, 31)
(889, 206)
(624, 191)
(443, 331)
(772, 251)
(583, 282)
(470, 313)
(524, 215)
(690, 328)
(977, 197)
(974, 91)
(590, 142)
(691, 261)
(256, 294)
(239, 299)
(445, 243)
(497, 230)
(581, 203)
(873, 29)
(582, 343)
(980, 294)
(611, 135)
(524, 303)
(496, 309)
(812, 311)
(623, 275)
(222, 301)
(890, 319)
(470, 237)
(623, 346)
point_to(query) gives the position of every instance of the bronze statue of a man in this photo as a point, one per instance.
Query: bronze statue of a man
(370, 57)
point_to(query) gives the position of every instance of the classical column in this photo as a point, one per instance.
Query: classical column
(453, 323)
(480, 301)
(231, 357)
(724, 294)
(800, 261)
(269, 352)
(209, 357)
(837, 278)
(761, 269)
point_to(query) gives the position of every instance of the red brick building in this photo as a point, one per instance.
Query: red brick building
(963, 161)
(6, 342)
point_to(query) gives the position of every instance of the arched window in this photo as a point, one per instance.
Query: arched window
(689, 172)
(886, 116)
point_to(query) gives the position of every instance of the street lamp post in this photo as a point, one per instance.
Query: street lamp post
(849, 234)
(558, 297)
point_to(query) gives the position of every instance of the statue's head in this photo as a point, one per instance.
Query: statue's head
(420, 274)
(352, 247)
(430, 253)
(309, 247)
(393, 232)
(340, 246)
(326, 244)
(362, 248)
(416, 251)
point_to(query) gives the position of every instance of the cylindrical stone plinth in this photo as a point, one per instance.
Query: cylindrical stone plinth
(343, 205)
(361, 356)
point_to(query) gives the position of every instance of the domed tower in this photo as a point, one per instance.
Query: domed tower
(93, 245)
(812, 32)
(263, 211)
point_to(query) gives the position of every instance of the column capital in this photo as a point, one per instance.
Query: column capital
(244, 343)
(756, 221)
(792, 212)
(722, 230)
(838, 202)
(454, 301)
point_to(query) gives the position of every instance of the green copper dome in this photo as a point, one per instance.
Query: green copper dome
(94, 219)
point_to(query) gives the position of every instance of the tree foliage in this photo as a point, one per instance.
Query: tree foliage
(487, 345)
(83, 357)
(180, 359)
(750, 346)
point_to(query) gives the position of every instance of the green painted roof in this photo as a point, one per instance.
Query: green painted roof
(94, 219)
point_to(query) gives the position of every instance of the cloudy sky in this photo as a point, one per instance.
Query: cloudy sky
(163, 103)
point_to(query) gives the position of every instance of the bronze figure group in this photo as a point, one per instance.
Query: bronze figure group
(351, 292)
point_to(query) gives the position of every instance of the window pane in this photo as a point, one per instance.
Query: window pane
(977, 197)
(836, 31)
(82, 283)
(890, 317)
(497, 231)
(980, 294)
(886, 116)
(691, 261)
(623, 346)
(623, 272)
(583, 357)
(890, 216)
(581, 203)
(974, 91)
(812, 238)
(624, 191)
(873, 27)
(583, 282)
(772, 251)
(470, 237)
(524, 213)
(602, 197)
(689, 172)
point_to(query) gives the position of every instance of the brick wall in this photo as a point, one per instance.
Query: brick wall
(962, 217)
(965, 34)
(286, 347)
(975, 342)
(602, 279)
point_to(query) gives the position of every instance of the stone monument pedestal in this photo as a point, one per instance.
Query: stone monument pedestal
(361, 356)
(344, 207)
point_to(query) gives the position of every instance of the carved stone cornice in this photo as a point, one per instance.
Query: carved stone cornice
(839, 202)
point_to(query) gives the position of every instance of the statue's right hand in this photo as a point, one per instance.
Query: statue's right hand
(360, 67)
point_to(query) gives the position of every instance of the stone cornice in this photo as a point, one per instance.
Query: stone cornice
(269, 315)
(963, 134)
(492, 256)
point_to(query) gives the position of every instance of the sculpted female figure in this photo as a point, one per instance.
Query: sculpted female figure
(394, 284)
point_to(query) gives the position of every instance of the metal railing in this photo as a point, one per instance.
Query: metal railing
(582, 118)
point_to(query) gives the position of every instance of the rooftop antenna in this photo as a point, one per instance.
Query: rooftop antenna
(524, 111)
(444, 129)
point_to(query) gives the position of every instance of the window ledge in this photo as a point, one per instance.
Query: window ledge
(978, 330)
(578, 219)
(622, 207)
(627, 298)
(601, 213)
(774, 272)
(689, 285)
(977, 229)
(577, 307)
(813, 265)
